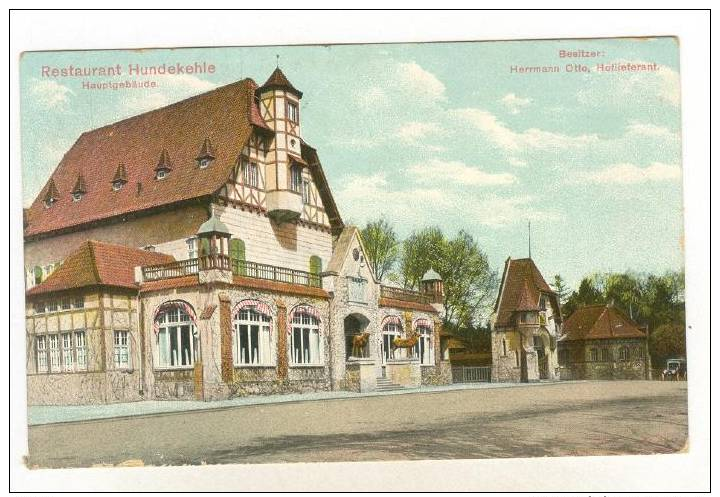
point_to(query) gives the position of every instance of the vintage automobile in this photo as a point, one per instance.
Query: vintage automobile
(675, 369)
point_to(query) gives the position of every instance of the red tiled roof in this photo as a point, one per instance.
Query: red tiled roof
(278, 80)
(520, 290)
(218, 122)
(600, 321)
(225, 116)
(99, 264)
(404, 304)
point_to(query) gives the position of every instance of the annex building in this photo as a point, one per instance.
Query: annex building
(196, 252)
(600, 342)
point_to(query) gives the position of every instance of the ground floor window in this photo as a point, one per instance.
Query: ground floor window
(121, 349)
(41, 348)
(54, 353)
(252, 338)
(423, 348)
(67, 352)
(305, 339)
(594, 355)
(564, 357)
(176, 341)
(624, 354)
(605, 355)
(391, 331)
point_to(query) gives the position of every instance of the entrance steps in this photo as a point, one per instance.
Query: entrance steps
(386, 385)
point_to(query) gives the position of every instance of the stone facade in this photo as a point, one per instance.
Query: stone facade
(608, 359)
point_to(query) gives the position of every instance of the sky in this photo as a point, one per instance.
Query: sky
(441, 134)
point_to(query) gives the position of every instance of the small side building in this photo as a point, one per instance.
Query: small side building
(83, 339)
(524, 326)
(600, 342)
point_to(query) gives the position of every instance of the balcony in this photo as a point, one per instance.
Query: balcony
(404, 295)
(245, 269)
(284, 205)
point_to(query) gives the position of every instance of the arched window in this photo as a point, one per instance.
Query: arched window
(252, 340)
(305, 337)
(176, 336)
(624, 354)
(424, 346)
(392, 329)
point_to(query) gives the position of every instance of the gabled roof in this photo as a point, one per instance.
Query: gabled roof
(99, 264)
(225, 116)
(600, 321)
(218, 122)
(342, 249)
(278, 80)
(520, 290)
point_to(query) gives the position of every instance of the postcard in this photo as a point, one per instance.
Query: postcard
(381, 252)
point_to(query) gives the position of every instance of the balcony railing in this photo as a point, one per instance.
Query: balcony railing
(389, 292)
(241, 268)
(170, 270)
(275, 273)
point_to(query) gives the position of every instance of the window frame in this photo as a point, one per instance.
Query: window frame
(54, 351)
(250, 174)
(164, 328)
(264, 345)
(313, 327)
(41, 352)
(80, 350)
(293, 112)
(296, 178)
(390, 331)
(120, 349)
(425, 344)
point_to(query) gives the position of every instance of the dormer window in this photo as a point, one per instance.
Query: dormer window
(164, 166)
(117, 185)
(120, 178)
(161, 174)
(206, 155)
(292, 112)
(51, 194)
(77, 196)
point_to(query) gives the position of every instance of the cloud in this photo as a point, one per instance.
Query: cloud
(414, 130)
(625, 173)
(514, 103)
(372, 97)
(49, 93)
(421, 83)
(651, 130)
(512, 141)
(413, 208)
(514, 161)
(438, 172)
(171, 88)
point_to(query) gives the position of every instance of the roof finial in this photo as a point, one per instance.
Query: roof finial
(277, 61)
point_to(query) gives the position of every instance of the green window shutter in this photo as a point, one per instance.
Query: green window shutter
(38, 275)
(237, 253)
(237, 249)
(315, 270)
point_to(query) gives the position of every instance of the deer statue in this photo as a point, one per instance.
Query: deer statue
(358, 344)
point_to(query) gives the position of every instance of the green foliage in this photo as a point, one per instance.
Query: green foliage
(468, 280)
(655, 301)
(560, 288)
(667, 342)
(475, 338)
(382, 246)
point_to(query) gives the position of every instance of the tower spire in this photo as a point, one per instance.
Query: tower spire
(529, 248)
(277, 61)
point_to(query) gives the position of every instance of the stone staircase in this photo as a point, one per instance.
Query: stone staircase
(386, 385)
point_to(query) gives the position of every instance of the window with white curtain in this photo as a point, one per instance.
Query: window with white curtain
(41, 348)
(423, 347)
(54, 353)
(305, 339)
(252, 338)
(121, 349)
(176, 345)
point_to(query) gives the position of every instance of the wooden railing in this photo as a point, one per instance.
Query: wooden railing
(241, 268)
(170, 270)
(389, 292)
(275, 273)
